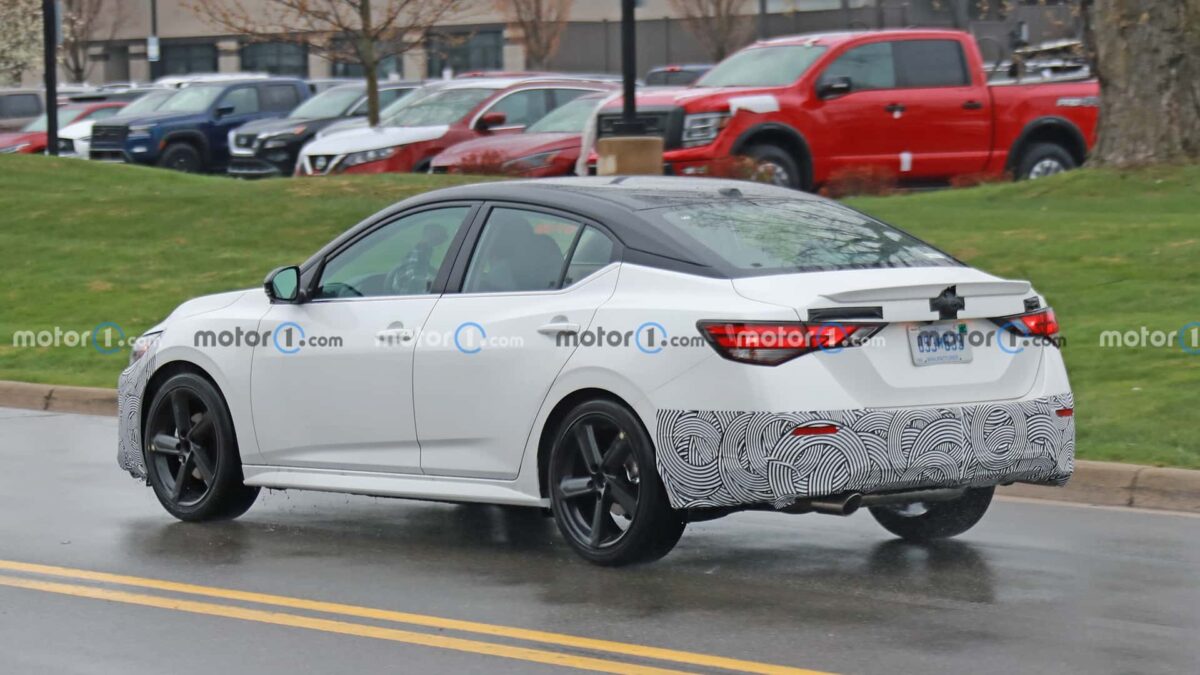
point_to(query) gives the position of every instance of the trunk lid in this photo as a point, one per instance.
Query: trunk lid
(912, 302)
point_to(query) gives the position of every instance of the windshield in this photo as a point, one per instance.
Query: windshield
(570, 118)
(762, 67)
(445, 106)
(329, 103)
(192, 99)
(148, 103)
(777, 236)
(65, 117)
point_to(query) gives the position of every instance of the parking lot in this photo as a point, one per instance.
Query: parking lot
(445, 588)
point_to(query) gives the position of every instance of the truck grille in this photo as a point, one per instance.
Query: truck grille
(109, 136)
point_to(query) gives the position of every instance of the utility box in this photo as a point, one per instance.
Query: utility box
(629, 155)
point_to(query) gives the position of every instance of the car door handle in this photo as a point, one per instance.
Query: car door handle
(558, 328)
(972, 105)
(390, 334)
(895, 108)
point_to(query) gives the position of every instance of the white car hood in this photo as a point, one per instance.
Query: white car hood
(77, 130)
(372, 138)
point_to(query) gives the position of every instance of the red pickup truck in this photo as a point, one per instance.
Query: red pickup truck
(913, 102)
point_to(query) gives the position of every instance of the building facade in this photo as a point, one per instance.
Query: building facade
(479, 39)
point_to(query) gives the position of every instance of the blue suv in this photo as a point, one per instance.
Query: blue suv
(190, 131)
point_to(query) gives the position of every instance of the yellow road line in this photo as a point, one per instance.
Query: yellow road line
(559, 639)
(340, 627)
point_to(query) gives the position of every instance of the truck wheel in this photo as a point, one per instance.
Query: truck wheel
(1044, 159)
(775, 166)
(181, 157)
(935, 520)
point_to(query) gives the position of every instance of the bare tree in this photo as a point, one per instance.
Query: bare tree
(541, 22)
(20, 38)
(1147, 56)
(719, 25)
(83, 22)
(361, 31)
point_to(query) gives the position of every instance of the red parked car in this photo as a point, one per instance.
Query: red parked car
(436, 117)
(32, 138)
(548, 147)
(915, 103)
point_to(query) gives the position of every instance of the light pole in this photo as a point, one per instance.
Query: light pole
(629, 125)
(50, 62)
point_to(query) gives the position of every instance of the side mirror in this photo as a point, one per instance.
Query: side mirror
(834, 86)
(490, 119)
(224, 110)
(283, 285)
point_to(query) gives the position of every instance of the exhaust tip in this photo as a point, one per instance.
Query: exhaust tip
(852, 504)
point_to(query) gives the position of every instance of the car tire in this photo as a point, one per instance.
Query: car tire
(776, 166)
(1044, 159)
(181, 157)
(939, 520)
(191, 452)
(605, 492)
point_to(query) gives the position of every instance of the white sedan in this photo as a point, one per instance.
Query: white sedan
(631, 354)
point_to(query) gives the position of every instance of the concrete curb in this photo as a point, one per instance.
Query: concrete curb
(53, 398)
(1098, 483)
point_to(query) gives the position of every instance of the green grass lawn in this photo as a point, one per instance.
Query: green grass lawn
(84, 243)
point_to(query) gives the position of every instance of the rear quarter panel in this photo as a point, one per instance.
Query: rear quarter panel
(1017, 106)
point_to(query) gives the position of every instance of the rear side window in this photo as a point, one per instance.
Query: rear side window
(930, 63)
(784, 236)
(20, 105)
(280, 98)
(869, 67)
(520, 251)
(592, 253)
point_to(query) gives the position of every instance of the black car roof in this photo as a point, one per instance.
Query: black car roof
(619, 203)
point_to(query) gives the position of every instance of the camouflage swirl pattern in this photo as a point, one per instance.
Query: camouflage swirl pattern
(725, 458)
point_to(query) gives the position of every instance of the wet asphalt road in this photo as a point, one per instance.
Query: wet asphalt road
(1035, 588)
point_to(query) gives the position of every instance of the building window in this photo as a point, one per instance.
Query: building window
(276, 58)
(187, 58)
(462, 52)
(389, 68)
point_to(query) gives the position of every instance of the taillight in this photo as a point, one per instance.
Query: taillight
(770, 344)
(1041, 323)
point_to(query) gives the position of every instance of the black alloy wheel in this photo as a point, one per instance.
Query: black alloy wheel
(605, 492)
(191, 454)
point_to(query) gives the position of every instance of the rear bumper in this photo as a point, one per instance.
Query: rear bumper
(710, 458)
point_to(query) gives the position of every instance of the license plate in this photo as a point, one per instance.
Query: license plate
(938, 343)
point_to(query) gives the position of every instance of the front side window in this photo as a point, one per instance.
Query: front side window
(869, 67)
(763, 67)
(400, 258)
(931, 63)
(520, 251)
(243, 100)
(786, 236)
(521, 108)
